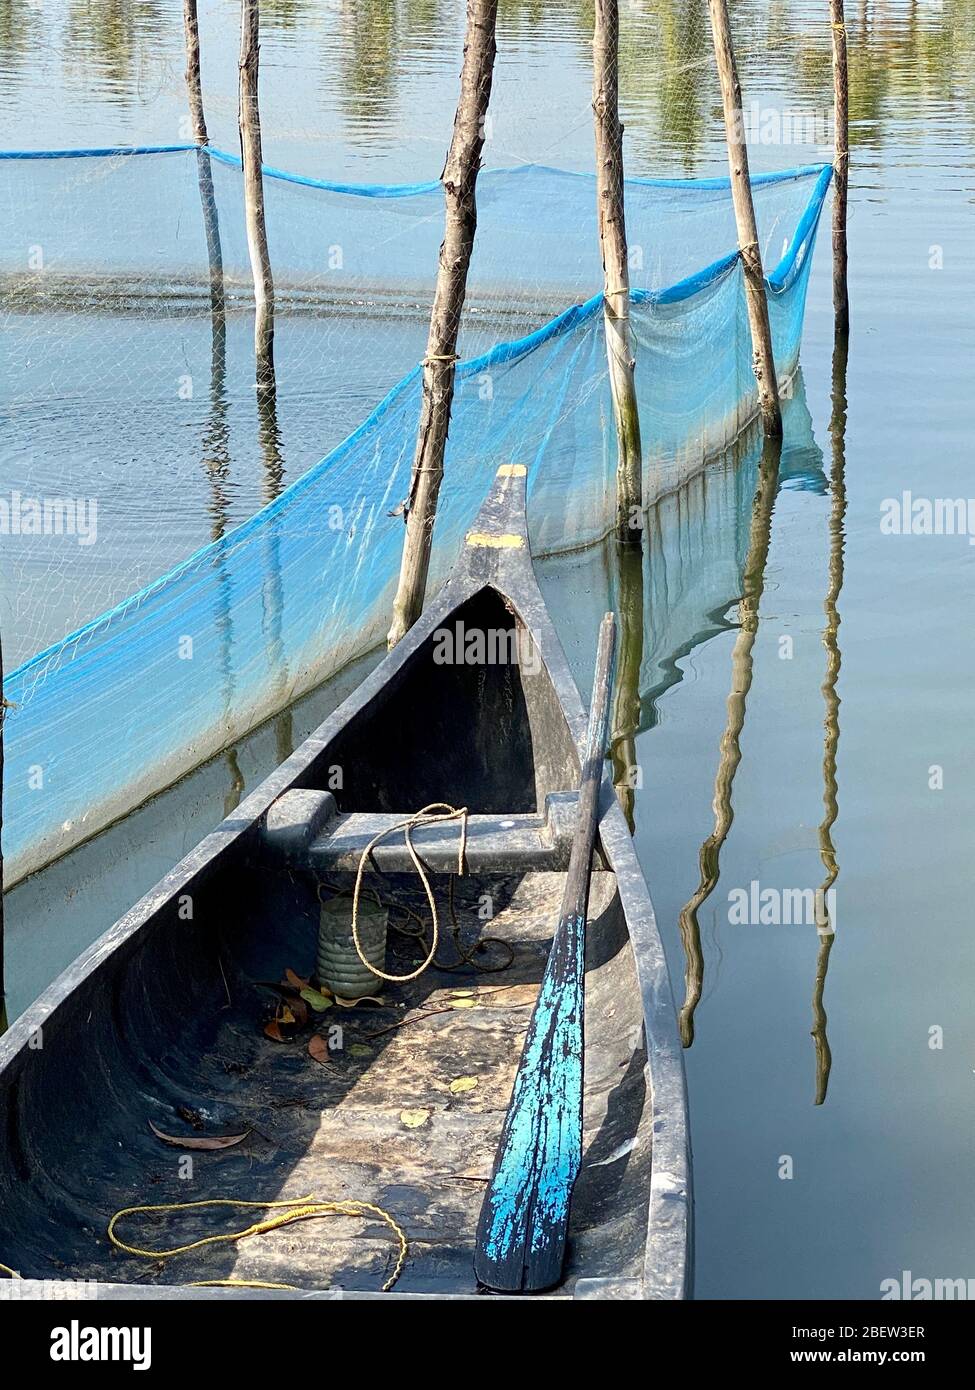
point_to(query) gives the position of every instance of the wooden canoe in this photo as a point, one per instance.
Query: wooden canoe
(161, 1026)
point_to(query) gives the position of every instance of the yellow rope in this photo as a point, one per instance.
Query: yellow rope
(240, 1284)
(430, 815)
(7, 1270)
(298, 1209)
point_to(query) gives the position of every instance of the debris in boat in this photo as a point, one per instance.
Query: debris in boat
(358, 1050)
(620, 1152)
(463, 1003)
(299, 1012)
(288, 1018)
(461, 1084)
(362, 999)
(508, 997)
(191, 1116)
(402, 1022)
(318, 1050)
(215, 1141)
(292, 1011)
(317, 999)
(413, 1119)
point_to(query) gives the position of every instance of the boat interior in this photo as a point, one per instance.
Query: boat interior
(187, 1027)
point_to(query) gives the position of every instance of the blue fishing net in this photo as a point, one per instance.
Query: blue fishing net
(104, 254)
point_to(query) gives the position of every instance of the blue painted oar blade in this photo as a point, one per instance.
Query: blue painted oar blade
(524, 1219)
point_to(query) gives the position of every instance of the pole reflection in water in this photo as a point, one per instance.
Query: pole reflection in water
(272, 453)
(827, 850)
(216, 462)
(626, 700)
(753, 584)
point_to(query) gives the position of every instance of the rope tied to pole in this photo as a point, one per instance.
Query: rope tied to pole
(623, 315)
(298, 1209)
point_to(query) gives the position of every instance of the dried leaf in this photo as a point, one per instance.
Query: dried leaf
(318, 1050)
(357, 1050)
(300, 1010)
(463, 1003)
(363, 999)
(413, 1119)
(295, 981)
(318, 1001)
(221, 1141)
(462, 1084)
(462, 993)
(272, 1030)
(285, 1015)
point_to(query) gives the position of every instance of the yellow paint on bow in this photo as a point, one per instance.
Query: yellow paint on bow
(486, 542)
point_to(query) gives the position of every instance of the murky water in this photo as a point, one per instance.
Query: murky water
(793, 1199)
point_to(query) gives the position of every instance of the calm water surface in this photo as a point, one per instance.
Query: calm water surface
(881, 1171)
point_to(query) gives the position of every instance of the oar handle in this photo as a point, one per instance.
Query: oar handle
(576, 892)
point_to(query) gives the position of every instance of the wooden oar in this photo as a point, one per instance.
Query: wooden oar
(522, 1230)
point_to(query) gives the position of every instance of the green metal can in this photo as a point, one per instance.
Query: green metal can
(339, 967)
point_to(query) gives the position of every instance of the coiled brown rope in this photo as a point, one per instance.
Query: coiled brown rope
(436, 812)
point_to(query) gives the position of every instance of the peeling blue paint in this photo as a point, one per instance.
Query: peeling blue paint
(541, 1147)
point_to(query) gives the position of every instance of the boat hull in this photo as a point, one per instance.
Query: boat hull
(162, 1023)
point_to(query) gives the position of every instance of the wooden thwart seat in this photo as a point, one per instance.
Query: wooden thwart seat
(307, 830)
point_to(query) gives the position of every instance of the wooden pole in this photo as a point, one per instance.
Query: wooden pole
(459, 179)
(194, 89)
(616, 271)
(741, 193)
(194, 85)
(251, 156)
(841, 167)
